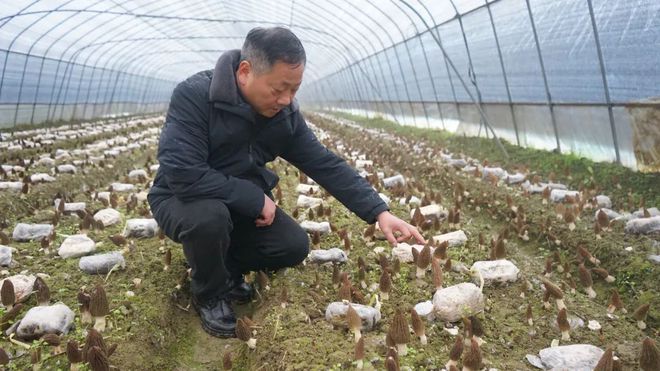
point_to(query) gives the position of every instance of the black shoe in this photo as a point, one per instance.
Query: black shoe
(217, 316)
(241, 292)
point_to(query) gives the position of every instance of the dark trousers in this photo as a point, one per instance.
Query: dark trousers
(220, 245)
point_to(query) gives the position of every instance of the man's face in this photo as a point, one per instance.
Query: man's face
(270, 91)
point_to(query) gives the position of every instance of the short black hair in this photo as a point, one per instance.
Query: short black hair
(265, 46)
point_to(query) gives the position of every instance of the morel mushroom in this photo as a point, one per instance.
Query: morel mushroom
(354, 322)
(400, 332)
(423, 261)
(7, 294)
(554, 291)
(385, 285)
(586, 280)
(418, 326)
(615, 303)
(472, 358)
(43, 292)
(74, 355)
(564, 325)
(455, 352)
(359, 353)
(244, 334)
(84, 300)
(640, 315)
(649, 357)
(99, 308)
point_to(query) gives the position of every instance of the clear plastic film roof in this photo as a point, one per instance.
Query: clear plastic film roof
(455, 64)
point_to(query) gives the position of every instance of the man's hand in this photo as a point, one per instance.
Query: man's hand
(390, 225)
(267, 213)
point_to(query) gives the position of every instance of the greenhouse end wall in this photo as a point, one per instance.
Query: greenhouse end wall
(580, 127)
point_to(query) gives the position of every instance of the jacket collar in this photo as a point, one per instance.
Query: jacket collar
(224, 92)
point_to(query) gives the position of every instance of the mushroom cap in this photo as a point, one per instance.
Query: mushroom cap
(98, 361)
(457, 349)
(615, 300)
(399, 328)
(242, 330)
(385, 283)
(552, 289)
(359, 349)
(43, 292)
(641, 312)
(4, 357)
(477, 328)
(440, 251)
(353, 318)
(417, 323)
(73, 352)
(52, 339)
(7, 293)
(472, 358)
(93, 339)
(562, 320)
(606, 361)
(649, 357)
(424, 258)
(585, 276)
(98, 305)
(226, 361)
(391, 365)
(602, 272)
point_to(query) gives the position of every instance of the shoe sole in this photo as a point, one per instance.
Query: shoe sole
(209, 330)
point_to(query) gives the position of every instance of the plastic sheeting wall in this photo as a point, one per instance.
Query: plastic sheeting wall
(629, 36)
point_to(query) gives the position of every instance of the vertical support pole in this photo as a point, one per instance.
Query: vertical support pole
(545, 77)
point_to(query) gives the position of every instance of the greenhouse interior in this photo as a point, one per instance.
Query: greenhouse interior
(330, 185)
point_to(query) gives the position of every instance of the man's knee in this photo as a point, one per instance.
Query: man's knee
(206, 219)
(298, 246)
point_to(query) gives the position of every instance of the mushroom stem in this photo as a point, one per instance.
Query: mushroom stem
(423, 339)
(86, 317)
(99, 323)
(560, 304)
(590, 291)
(360, 364)
(421, 272)
(252, 343)
(357, 334)
(402, 349)
(565, 335)
(384, 295)
(74, 367)
(450, 364)
(641, 325)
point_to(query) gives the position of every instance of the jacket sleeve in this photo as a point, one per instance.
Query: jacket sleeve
(332, 172)
(184, 150)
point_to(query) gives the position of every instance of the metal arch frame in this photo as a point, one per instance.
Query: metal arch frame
(55, 77)
(428, 67)
(16, 37)
(504, 74)
(601, 65)
(58, 72)
(139, 16)
(545, 76)
(356, 63)
(139, 56)
(471, 74)
(412, 63)
(29, 52)
(51, 103)
(307, 28)
(460, 78)
(365, 51)
(438, 40)
(148, 26)
(315, 42)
